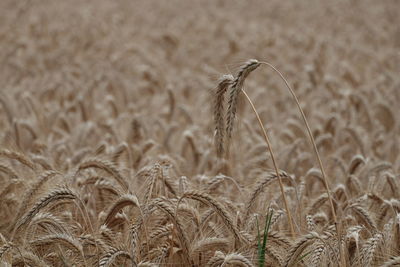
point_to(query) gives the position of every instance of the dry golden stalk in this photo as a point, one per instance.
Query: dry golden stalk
(289, 214)
(236, 87)
(338, 230)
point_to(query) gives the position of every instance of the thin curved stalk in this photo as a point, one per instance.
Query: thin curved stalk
(318, 158)
(274, 163)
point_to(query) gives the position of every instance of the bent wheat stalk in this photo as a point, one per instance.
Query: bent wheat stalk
(342, 260)
(273, 163)
(236, 86)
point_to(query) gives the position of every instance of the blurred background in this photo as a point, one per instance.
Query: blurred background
(132, 58)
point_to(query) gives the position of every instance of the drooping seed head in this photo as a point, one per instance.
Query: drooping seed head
(236, 87)
(219, 117)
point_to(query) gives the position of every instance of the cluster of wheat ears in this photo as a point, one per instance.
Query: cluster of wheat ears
(109, 158)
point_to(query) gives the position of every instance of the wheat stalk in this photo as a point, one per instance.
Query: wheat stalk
(338, 230)
(289, 214)
(236, 88)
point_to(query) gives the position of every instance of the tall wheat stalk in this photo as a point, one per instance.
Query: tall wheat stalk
(236, 87)
(273, 163)
(337, 226)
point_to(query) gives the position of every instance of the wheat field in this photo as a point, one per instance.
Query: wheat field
(128, 135)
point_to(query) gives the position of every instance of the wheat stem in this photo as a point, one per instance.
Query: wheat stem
(342, 260)
(274, 163)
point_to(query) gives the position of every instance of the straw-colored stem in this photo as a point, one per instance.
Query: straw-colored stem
(342, 260)
(274, 163)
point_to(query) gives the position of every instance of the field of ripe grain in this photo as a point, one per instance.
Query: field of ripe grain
(126, 138)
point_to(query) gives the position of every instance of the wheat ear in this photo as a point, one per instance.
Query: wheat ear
(24, 258)
(17, 156)
(167, 209)
(369, 249)
(392, 262)
(209, 244)
(33, 190)
(55, 195)
(47, 219)
(219, 117)
(62, 239)
(111, 255)
(235, 89)
(219, 209)
(122, 202)
(7, 170)
(261, 184)
(299, 247)
(107, 167)
(68, 241)
(364, 216)
(6, 247)
(236, 259)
